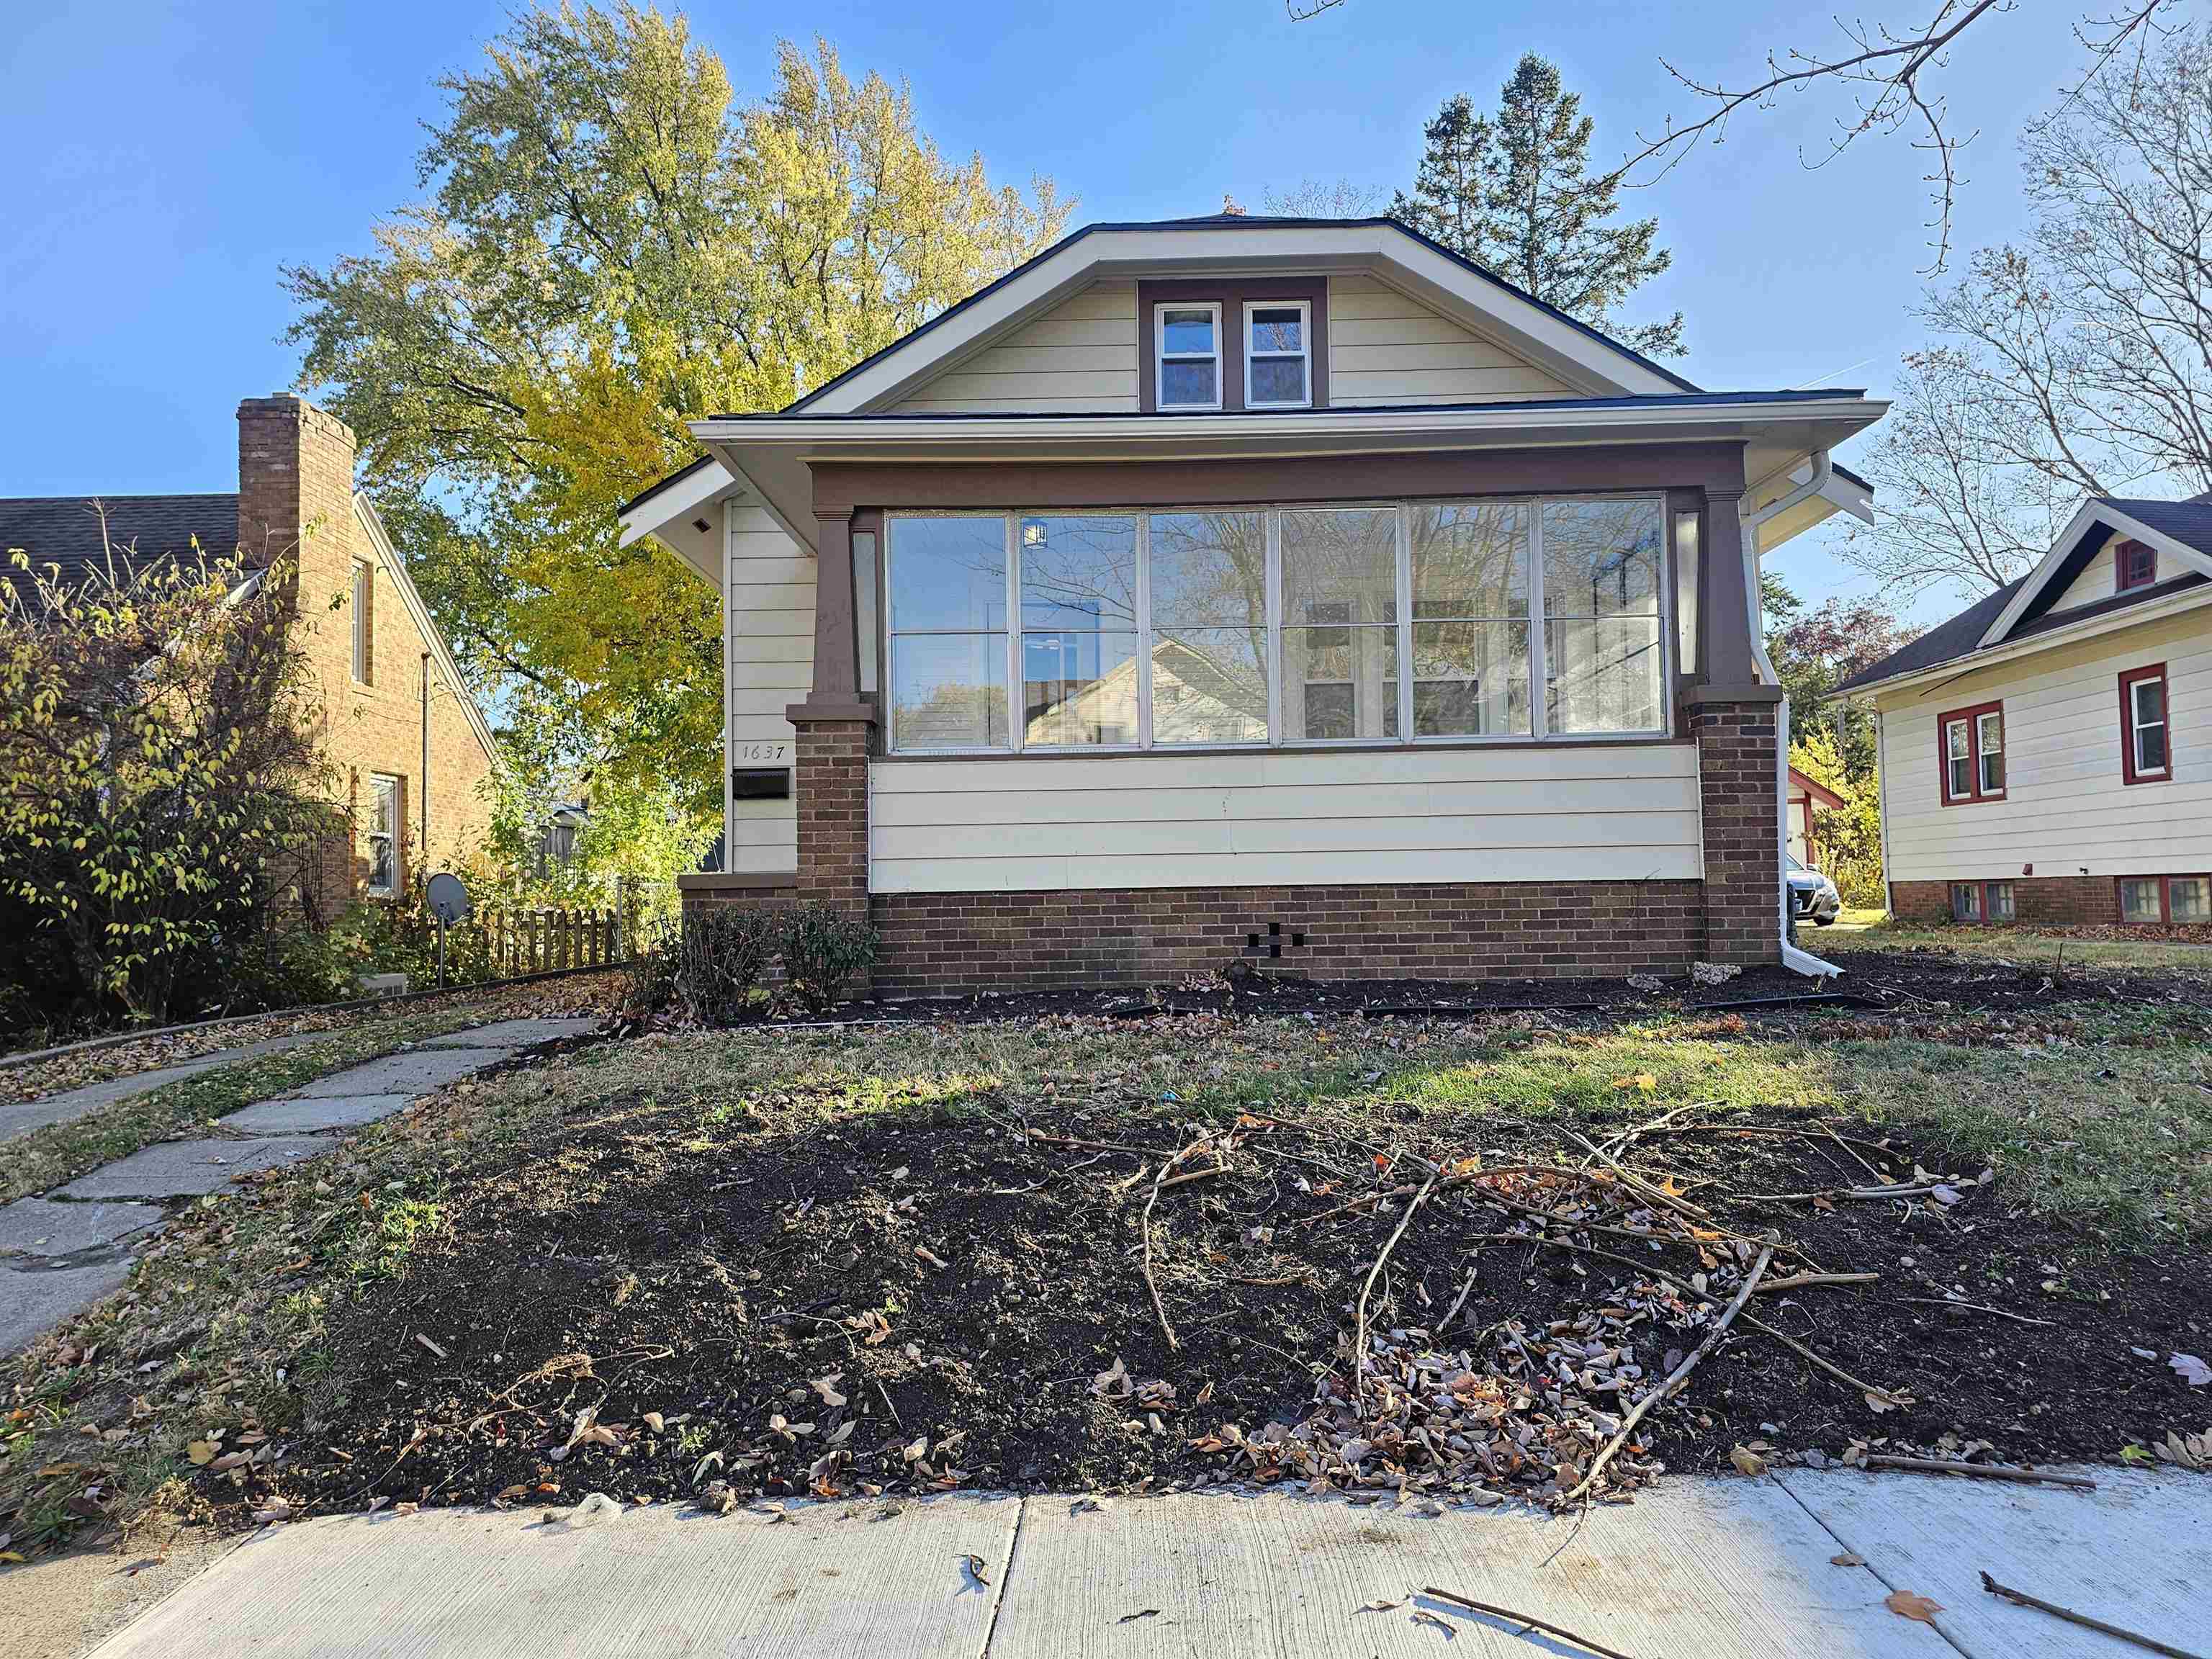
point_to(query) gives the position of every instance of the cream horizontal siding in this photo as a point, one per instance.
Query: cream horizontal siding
(1385, 347)
(769, 639)
(1253, 819)
(2095, 581)
(2066, 805)
(1080, 358)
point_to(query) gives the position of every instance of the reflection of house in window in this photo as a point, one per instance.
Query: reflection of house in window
(1194, 699)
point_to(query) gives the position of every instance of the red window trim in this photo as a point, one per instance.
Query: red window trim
(1971, 715)
(2129, 680)
(2122, 582)
(1989, 917)
(2164, 898)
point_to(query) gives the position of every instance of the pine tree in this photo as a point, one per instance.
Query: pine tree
(1512, 193)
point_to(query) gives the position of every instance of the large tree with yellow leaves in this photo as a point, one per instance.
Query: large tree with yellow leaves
(613, 246)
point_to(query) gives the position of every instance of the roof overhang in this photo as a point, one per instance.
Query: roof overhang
(774, 453)
(1840, 492)
(1579, 355)
(2101, 519)
(2090, 626)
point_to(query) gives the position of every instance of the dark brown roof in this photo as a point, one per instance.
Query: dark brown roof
(66, 530)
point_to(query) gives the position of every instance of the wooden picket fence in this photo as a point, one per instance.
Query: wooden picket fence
(510, 943)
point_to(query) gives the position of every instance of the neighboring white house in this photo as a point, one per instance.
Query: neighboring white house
(1278, 587)
(2044, 753)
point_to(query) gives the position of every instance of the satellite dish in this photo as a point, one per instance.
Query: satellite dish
(449, 900)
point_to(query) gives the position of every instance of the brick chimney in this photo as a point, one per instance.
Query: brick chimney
(295, 489)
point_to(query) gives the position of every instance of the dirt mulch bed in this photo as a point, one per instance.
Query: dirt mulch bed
(911, 1299)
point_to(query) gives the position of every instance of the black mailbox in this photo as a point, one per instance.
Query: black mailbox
(760, 783)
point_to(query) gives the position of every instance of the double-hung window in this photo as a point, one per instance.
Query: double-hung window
(1490, 620)
(1278, 355)
(383, 836)
(1971, 753)
(2145, 751)
(1187, 356)
(948, 631)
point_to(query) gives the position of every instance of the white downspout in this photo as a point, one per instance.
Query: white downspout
(1802, 962)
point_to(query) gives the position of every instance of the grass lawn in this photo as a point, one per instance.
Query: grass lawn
(1871, 930)
(701, 1236)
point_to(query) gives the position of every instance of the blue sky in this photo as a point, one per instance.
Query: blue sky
(168, 160)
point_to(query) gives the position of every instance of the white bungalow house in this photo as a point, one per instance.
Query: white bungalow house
(1241, 585)
(2042, 752)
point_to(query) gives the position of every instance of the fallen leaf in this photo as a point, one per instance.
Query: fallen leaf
(1747, 1461)
(976, 1564)
(655, 1421)
(827, 1388)
(1113, 1384)
(200, 1452)
(1382, 1606)
(2193, 1370)
(1425, 1617)
(1918, 1608)
(1848, 1559)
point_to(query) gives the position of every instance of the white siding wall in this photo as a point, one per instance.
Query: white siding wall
(1080, 357)
(1385, 348)
(1242, 819)
(769, 635)
(2065, 805)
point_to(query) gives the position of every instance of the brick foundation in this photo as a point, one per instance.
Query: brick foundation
(1738, 785)
(953, 943)
(2063, 901)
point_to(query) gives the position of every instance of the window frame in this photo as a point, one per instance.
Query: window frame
(2131, 770)
(363, 621)
(383, 785)
(1985, 894)
(1304, 354)
(1540, 732)
(2164, 898)
(1972, 716)
(1161, 357)
(2123, 582)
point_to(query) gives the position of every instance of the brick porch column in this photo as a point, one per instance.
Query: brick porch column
(1739, 793)
(834, 729)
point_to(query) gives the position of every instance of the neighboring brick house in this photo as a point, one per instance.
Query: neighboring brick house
(2043, 755)
(409, 748)
(1289, 589)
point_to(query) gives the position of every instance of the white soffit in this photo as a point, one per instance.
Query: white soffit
(1839, 494)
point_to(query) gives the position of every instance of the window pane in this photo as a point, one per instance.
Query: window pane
(1339, 683)
(1209, 685)
(1078, 572)
(1993, 776)
(1471, 559)
(1604, 673)
(1962, 777)
(1278, 329)
(1601, 558)
(2150, 748)
(1186, 383)
(1470, 679)
(1182, 331)
(949, 690)
(1209, 570)
(1340, 564)
(1990, 734)
(1954, 737)
(1278, 379)
(1967, 901)
(2000, 901)
(2188, 898)
(2139, 900)
(1078, 688)
(2150, 701)
(948, 574)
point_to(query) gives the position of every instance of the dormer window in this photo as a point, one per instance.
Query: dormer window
(2135, 564)
(1277, 356)
(1189, 356)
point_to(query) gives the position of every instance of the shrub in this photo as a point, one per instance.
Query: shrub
(822, 949)
(722, 955)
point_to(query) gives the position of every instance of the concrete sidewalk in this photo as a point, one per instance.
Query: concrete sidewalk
(1698, 1568)
(61, 1253)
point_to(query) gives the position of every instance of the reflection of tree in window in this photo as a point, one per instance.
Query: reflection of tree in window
(1209, 644)
(1601, 569)
(1471, 618)
(1340, 623)
(1079, 577)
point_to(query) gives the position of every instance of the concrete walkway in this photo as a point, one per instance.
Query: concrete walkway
(62, 1253)
(1697, 1569)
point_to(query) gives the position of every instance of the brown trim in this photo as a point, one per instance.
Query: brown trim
(1985, 889)
(2164, 898)
(810, 711)
(2129, 678)
(1232, 293)
(1759, 692)
(2122, 581)
(1284, 481)
(733, 881)
(1972, 716)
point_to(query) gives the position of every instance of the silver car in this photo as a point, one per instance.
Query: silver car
(1812, 896)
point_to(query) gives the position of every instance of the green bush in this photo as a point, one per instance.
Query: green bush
(822, 948)
(721, 956)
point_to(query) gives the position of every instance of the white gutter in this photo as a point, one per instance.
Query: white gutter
(1802, 962)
